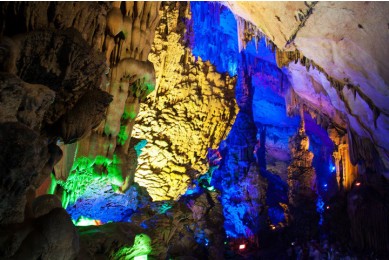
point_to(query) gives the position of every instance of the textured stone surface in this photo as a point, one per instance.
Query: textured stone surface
(347, 41)
(192, 109)
(177, 229)
(365, 209)
(102, 241)
(49, 236)
(23, 102)
(53, 236)
(86, 115)
(44, 204)
(302, 186)
(50, 78)
(126, 41)
(278, 21)
(43, 58)
(25, 158)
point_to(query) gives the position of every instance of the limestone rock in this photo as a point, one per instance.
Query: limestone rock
(191, 109)
(87, 18)
(44, 204)
(302, 186)
(53, 236)
(40, 60)
(24, 157)
(86, 115)
(346, 41)
(23, 102)
(103, 241)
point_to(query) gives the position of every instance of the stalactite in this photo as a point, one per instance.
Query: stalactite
(246, 32)
(283, 58)
(362, 150)
(127, 43)
(346, 169)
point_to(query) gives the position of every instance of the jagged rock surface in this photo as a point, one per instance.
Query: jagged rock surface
(50, 77)
(49, 236)
(302, 187)
(192, 109)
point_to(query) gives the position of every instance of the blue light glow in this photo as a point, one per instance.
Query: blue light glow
(104, 204)
(276, 215)
(214, 35)
(259, 91)
(322, 148)
(320, 209)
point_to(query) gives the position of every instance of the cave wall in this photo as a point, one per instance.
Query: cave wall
(47, 102)
(192, 109)
(85, 74)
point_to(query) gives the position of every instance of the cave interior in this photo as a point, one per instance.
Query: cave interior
(194, 130)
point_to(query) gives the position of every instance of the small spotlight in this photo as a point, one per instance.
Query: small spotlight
(328, 207)
(242, 246)
(358, 184)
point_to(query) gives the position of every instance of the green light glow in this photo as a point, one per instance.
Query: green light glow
(150, 88)
(211, 188)
(53, 184)
(129, 112)
(86, 171)
(141, 248)
(122, 136)
(141, 257)
(84, 221)
(165, 207)
(206, 179)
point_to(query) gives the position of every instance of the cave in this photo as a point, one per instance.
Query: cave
(194, 130)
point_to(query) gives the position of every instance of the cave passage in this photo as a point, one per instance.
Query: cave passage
(194, 130)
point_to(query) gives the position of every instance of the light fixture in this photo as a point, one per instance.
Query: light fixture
(141, 257)
(242, 246)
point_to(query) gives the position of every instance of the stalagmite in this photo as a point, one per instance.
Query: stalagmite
(346, 172)
(301, 182)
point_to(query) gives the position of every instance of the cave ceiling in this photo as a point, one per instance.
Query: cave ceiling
(347, 41)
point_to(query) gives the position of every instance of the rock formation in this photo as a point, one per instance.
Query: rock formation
(302, 185)
(346, 52)
(213, 129)
(192, 109)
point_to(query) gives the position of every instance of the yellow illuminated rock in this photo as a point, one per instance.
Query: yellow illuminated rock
(192, 109)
